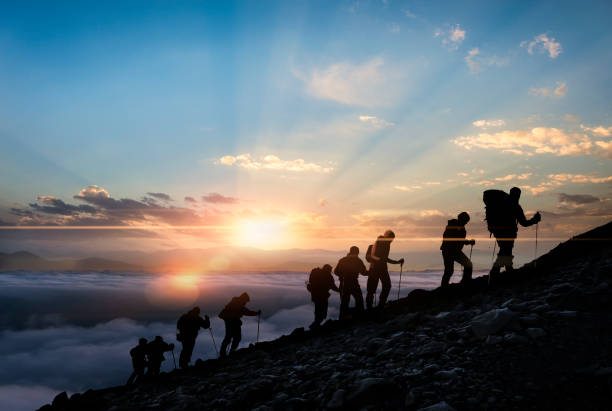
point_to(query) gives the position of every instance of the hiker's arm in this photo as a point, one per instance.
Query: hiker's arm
(520, 216)
(205, 322)
(362, 268)
(400, 261)
(250, 313)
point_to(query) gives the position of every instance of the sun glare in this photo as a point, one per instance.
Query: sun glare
(173, 291)
(261, 233)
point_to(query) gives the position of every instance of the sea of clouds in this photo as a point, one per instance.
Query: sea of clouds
(72, 332)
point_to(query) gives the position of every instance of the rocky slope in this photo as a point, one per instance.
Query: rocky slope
(539, 338)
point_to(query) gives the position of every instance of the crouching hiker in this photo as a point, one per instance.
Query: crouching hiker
(319, 284)
(231, 315)
(155, 352)
(452, 244)
(139, 361)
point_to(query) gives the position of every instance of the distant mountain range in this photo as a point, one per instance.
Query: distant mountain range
(197, 260)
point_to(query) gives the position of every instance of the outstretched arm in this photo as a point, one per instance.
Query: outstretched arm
(204, 322)
(520, 217)
(400, 261)
(250, 313)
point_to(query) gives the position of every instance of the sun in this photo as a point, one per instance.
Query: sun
(265, 233)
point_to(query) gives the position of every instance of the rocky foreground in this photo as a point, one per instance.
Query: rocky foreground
(539, 338)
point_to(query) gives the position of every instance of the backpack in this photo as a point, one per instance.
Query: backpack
(498, 212)
(369, 253)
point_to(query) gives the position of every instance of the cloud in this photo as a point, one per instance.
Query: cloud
(556, 180)
(429, 213)
(543, 44)
(367, 84)
(217, 198)
(539, 140)
(558, 92)
(323, 202)
(394, 28)
(599, 131)
(451, 37)
(470, 59)
(375, 121)
(190, 200)
(571, 117)
(160, 196)
(274, 163)
(578, 199)
(408, 188)
(409, 14)
(484, 124)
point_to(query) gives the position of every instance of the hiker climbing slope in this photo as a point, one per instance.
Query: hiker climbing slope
(348, 270)
(155, 352)
(231, 315)
(139, 360)
(379, 271)
(453, 241)
(319, 283)
(503, 214)
(188, 327)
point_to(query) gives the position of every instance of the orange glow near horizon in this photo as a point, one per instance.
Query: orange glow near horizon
(173, 291)
(265, 233)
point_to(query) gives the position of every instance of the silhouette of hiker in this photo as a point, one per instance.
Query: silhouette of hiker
(155, 352)
(231, 315)
(453, 241)
(378, 269)
(503, 212)
(188, 327)
(319, 284)
(139, 361)
(348, 270)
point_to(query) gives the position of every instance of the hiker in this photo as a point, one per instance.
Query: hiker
(453, 241)
(188, 327)
(139, 361)
(379, 257)
(231, 315)
(319, 284)
(503, 212)
(348, 270)
(155, 352)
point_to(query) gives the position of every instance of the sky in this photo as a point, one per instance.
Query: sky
(160, 125)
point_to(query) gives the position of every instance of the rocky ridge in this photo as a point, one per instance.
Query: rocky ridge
(538, 338)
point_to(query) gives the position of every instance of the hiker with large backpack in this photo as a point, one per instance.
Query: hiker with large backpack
(453, 241)
(319, 283)
(503, 214)
(379, 257)
(231, 315)
(187, 327)
(348, 270)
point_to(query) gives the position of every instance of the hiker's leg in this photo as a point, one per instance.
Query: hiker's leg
(385, 280)
(449, 267)
(371, 288)
(463, 259)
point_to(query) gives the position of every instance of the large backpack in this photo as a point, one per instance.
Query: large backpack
(369, 253)
(498, 211)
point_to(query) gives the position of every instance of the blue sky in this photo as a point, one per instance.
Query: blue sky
(350, 117)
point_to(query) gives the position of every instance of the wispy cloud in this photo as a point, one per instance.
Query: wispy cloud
(476, 60)
(554, 181)
(543, 44)
(557, 92)
(408, 188)
(539, 140)
(600, 131)
(217, 198)
(375, 121)
(274, 163)
(394, 28)
(160, 196)
(451, 37)
(367, 84)
(484, 124)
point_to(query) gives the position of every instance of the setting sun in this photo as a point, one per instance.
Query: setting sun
(267, 233)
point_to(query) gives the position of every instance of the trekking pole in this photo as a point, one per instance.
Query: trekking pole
(535, 257)
(258, 318)
(492, 261)
(173, 358)
(471, 248)
(213, 340)
(399, 285)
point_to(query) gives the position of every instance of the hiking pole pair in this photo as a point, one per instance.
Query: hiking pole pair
(258, 319)
(213, 340)
(399, 285)
(173, 358)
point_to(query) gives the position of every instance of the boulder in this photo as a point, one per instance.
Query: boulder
(441, 406)
(372, 390)
(491, 322)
